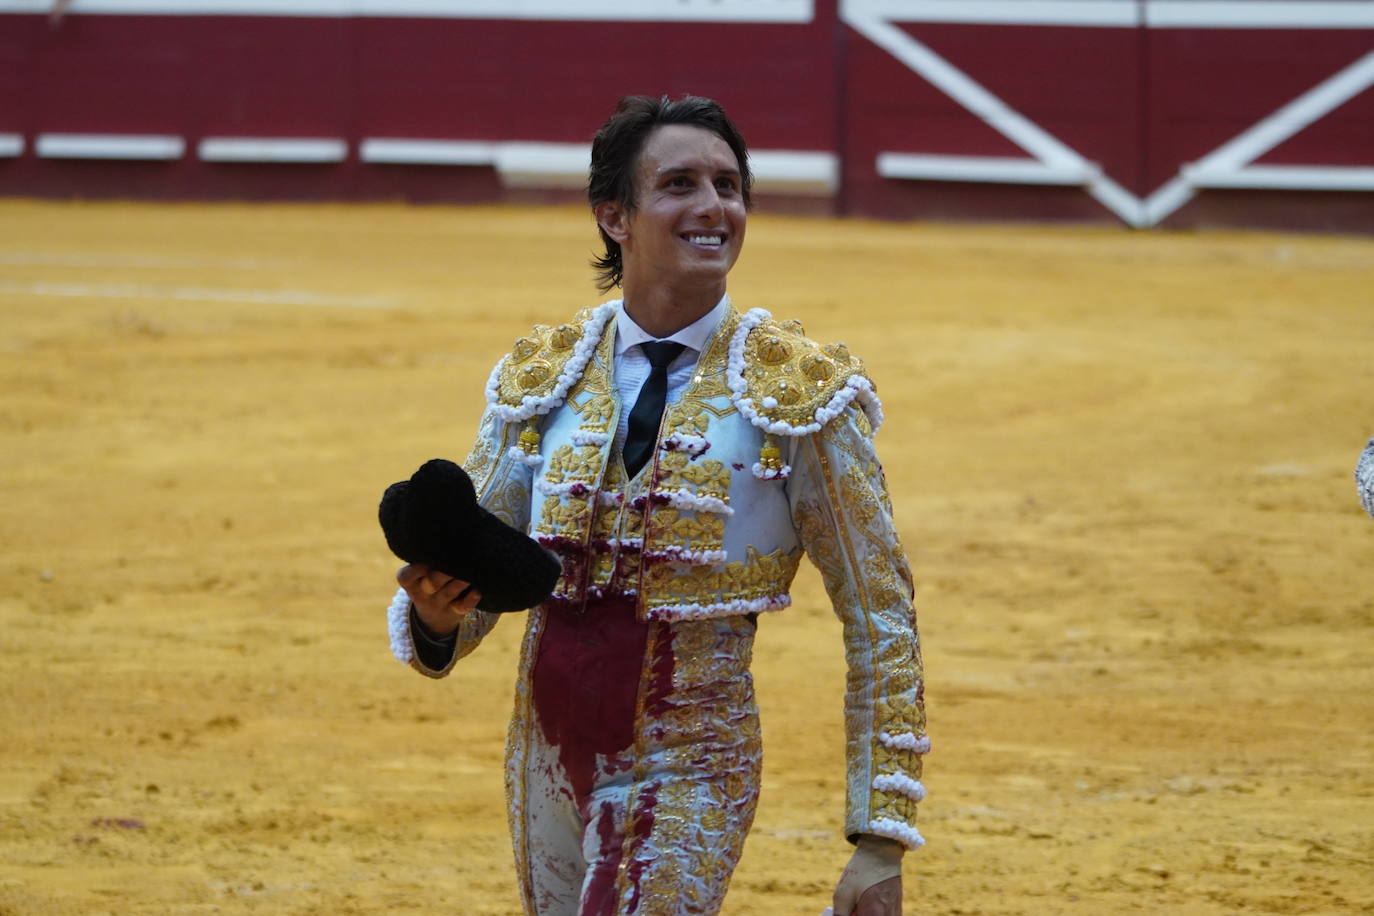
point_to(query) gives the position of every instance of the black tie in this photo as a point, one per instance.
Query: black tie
(648, 409)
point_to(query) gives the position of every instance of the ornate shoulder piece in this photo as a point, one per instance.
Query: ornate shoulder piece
(534, 377)
(788, 385)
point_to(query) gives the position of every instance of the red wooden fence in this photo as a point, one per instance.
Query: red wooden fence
(1145, 112)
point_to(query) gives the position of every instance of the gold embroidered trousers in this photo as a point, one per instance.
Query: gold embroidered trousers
(633, 761)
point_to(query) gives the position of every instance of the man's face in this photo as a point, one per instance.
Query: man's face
(687, 226)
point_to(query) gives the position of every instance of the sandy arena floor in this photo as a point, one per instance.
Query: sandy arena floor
(1122, 462)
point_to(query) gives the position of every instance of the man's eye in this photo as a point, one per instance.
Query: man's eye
(726, 184)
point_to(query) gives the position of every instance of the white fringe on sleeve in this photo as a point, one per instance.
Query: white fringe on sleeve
(906, 741)
(905, 834)
(900, 784)
(398, 627)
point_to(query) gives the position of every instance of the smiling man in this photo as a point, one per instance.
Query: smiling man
(679, 456)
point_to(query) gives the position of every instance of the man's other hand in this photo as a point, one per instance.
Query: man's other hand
(871, 884)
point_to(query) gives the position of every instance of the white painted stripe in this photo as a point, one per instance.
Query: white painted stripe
(1129, 208)
(546, 165)
(158, 147)
(270, 149)
(963, 89)
(1100, 13)
(427, 152)
(1285, 177)
(1025, 133)
(195, 294)
(1167, 198)
(866, 17)
(1195, 14)
(794, 171)
(543, 165)
(1200, 14)
(1317, 102)
(983, 169)
(762, 11)
(1259, 14)
(11, 145)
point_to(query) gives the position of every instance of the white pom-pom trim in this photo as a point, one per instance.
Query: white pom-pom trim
(906, 741)
(900, 784)
(566, 488)
(610, 498)
(398, 627)
(516, 453)
(1364, 477)
(856, 387)
(905, 834)
(718, 609)
(692, 445)
(685, 557)
(592, 437)
(763, 473)
(686, 499)
(572, 370)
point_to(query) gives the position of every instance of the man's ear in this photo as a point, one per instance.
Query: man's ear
(613, 219)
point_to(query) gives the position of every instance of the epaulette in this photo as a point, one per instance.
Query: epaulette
(788, 385)
(534, 377)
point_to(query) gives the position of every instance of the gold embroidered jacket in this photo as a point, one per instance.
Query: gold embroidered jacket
(767, 454)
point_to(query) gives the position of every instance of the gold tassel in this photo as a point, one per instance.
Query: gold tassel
(770, 457)
(529, 437)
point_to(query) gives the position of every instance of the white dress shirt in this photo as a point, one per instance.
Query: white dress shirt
(632, 366)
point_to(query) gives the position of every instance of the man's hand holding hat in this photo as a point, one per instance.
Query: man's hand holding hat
(441, 601)
(460, 557)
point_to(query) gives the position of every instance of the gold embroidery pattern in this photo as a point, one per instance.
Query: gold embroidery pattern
(796, 373)
(881, 641)
(533, 366)
(709, 391)
(816, 528)
(510, 503)
(517, 753)
(481, 460)
(758, 576)
(565, 515)
(705, 478)
(700, 814)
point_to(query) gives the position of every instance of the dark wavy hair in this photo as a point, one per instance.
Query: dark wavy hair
(615, 158)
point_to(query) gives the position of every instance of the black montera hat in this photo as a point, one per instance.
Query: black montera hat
(433, 518)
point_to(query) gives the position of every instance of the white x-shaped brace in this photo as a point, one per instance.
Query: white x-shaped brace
(1054, 162)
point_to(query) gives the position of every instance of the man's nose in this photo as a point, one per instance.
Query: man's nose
(709, 206)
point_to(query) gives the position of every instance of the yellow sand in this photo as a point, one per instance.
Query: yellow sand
(1122, 462)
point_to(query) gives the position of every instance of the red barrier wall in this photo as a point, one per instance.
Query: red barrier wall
(1145, 112)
